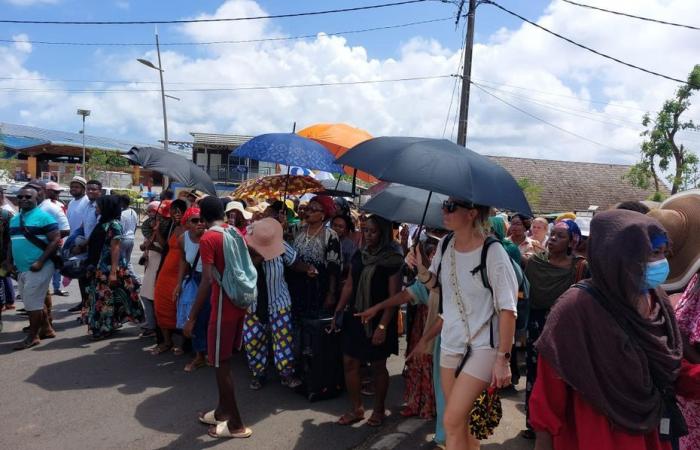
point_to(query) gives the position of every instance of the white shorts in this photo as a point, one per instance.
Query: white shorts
(33, 286)
(479, 365)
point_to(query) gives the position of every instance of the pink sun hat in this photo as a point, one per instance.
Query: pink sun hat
(265, 237)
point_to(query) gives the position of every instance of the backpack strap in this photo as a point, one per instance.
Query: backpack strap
(490, 240)
(443, 248)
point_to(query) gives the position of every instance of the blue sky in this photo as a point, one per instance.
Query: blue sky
(585, 107)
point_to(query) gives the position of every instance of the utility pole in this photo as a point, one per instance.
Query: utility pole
(466, 76)
(162, 93)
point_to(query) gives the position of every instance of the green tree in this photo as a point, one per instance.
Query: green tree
(660, 149)
(104, 160)
(531, 190)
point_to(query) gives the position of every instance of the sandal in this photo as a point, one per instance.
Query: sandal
(350, 418)
(222, 431)
(177, 351)
(255, 384)
(407, 412)
(160, 348)
(209, 418)
(194, 365)
(47, 336)
(147, 333)
(376, 420)
(25, 344)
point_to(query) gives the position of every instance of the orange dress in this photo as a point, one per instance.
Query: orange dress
(165, 305)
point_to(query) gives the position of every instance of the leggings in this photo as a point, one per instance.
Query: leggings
(255, 339)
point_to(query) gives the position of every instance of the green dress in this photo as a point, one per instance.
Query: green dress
(111, 306)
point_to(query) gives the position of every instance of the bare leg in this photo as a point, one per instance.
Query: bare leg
(227, 408)
(459, 401)
(353, 382)
(381, 385)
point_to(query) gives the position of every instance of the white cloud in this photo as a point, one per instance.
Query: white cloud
(21, 43)
(563, 84)
(31, 2)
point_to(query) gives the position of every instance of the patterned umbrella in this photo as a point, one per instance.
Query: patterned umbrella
(277, 185)
(288, 149)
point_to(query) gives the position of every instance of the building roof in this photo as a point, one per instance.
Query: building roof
(23, 137)
(223, 140)
(574, 186)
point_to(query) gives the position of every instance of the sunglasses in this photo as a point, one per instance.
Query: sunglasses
(314, 210)
(451, 205)
(195, 220)
(24, 197)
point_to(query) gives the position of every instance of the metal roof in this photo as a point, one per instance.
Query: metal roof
(19, 137)
(224, 140)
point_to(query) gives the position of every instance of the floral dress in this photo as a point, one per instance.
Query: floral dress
(688, 316)
(111, 306)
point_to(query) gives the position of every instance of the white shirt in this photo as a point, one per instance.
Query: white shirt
(478, 304)
(129, 221)
(76, 210)
(56, 212)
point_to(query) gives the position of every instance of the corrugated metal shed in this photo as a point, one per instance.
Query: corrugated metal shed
(224, 140)
(20, 137)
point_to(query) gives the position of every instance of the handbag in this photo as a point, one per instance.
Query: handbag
(486, 414)
(188, 294)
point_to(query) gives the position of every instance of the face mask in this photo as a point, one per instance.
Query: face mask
(656, 273)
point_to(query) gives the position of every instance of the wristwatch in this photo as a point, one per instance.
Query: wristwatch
(381, 327)
(505, 355)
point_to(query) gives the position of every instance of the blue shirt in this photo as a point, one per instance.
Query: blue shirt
(89, 218)
(277, 291)
(39, 223)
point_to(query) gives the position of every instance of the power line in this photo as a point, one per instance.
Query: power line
(231, 89)
(454, 86)
(648, 19)
(564, 130)
(230, 19)
(245, 41)
(651, 72)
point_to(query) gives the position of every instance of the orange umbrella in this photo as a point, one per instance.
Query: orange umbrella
(338, 138)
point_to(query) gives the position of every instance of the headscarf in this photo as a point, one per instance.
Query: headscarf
(326, 203)
(153, 206)
(623, 364)
(564, 216)
(191, 212)
(498, 226)
(573, 230)
(385, 255)
(164, 208)
(110, 210)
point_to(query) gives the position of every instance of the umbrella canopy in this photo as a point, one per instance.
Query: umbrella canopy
(440, 166)
(406, 204)
(336, 188)
(277, 185)
(288, 149)
(172, 165)
(338, 138)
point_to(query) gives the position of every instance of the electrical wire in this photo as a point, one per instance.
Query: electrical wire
(454, 86)
(231, 89)
(230, 19)
(564, 130)
(245, 41)
(612, 58)
(648, 19)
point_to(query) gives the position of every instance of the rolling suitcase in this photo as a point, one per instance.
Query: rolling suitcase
(322, 360)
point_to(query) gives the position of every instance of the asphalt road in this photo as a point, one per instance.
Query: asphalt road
(73, 392)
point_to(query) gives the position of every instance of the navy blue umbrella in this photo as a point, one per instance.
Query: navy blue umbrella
(175, 166)
(289, 149)
(441, 166)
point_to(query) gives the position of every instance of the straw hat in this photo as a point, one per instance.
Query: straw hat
(259, 208)
(238, 206)
(266, 237)
(680, 216)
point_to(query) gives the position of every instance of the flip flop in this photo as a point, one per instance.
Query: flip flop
(222, 431)
(25, 344)
(177, 351)
(209, 418)
(47, 336)
(350, 418)
(192, 366)
(376, 420)
(160, 349)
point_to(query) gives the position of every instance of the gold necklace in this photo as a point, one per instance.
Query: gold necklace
(308, 238)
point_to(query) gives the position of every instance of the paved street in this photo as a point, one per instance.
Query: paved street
(71, 391)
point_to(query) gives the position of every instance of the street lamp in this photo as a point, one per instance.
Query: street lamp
(160, 70)
(84, 113)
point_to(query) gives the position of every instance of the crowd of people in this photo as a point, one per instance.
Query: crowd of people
(609, 358)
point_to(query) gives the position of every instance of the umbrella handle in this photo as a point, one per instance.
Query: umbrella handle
(286, 181)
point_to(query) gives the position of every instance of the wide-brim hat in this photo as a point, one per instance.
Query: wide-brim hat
(266, 237)
(680, 216)
(238, 206)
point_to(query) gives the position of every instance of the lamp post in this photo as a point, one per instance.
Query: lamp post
(84, 113)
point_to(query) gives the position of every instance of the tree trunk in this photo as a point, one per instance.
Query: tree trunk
(678, 177)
